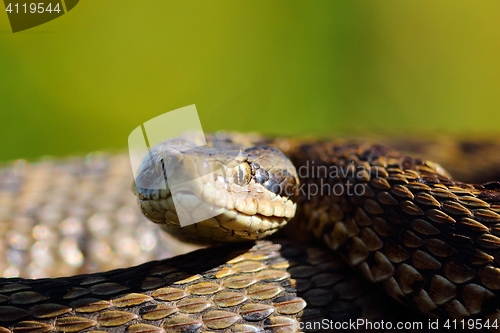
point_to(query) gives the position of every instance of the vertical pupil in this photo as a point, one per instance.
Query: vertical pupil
(240, 174)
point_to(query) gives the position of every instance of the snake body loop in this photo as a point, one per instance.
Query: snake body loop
(429, 241)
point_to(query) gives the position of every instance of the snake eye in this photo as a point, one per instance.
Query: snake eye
(242, 174)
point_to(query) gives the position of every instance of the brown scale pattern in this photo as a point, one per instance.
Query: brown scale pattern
(431, 242)
(269, 287)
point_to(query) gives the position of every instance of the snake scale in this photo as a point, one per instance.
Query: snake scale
(428, 241)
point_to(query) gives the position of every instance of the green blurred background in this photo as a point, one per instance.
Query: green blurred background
(85, 80)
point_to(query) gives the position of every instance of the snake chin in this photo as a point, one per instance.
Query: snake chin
(214, 232)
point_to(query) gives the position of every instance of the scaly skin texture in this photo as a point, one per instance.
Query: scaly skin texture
(245, 288)
(430, 241)
(399, 233)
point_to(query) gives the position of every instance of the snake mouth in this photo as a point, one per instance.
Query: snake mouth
(223, 217)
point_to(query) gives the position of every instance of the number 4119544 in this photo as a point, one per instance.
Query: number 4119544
(32, 8)
(472, 324)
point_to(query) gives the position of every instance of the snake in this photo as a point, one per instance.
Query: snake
(319, 235)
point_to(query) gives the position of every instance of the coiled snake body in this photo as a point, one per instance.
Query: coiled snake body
(429, 241)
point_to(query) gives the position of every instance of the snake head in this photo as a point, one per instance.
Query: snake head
(210, 194)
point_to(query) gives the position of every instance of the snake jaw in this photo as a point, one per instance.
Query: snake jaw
(240, 218)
